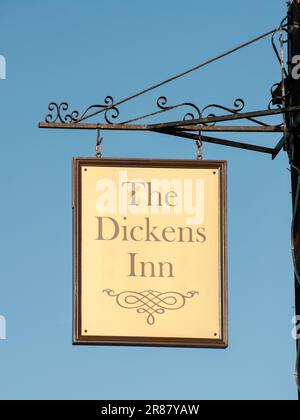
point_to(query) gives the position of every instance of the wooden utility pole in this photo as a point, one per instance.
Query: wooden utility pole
(293, 123)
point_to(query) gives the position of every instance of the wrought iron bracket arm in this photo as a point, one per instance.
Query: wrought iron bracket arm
(189, 121)
(154, 127)
(180, 128)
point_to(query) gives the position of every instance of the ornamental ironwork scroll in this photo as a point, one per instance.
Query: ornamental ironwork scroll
(151, 302)
(60, 112)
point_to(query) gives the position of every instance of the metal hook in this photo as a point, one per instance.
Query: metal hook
(98, 144)
(199, 145)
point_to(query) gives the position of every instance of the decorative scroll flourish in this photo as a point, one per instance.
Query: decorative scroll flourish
(195, 113)
(162, 104)
(238, 106)
(278, 98)
(59, 112)
(280, 91)
(279, 37)
(151, 302)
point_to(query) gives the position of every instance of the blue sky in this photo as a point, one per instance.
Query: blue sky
(82, 51)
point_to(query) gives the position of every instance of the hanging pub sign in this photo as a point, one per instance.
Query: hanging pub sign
(150, 252)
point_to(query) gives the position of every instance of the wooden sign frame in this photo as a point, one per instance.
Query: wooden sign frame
(80, 336)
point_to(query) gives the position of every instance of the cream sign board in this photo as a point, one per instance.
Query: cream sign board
(150, 253)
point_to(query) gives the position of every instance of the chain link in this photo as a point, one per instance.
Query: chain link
(98, 144)
(199, 145)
